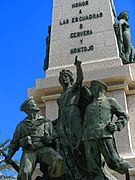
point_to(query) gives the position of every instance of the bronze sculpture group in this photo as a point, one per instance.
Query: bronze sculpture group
(82, 139)
(80, 142)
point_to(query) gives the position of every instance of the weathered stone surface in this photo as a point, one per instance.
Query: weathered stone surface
(102, 39)
(51, 106)
(58, 47)
(131, 110)
(62, 12)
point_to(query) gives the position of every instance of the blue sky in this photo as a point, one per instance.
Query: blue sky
(23, 29)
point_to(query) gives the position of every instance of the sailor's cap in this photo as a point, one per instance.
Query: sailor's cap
(99, 84)
(26, 104)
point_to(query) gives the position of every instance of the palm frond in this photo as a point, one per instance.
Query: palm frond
(4, 167)
(5, 148)
(4, 143)
(6, 170)
(5, 177)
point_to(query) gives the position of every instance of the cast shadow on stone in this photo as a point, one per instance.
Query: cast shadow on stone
(48, 39)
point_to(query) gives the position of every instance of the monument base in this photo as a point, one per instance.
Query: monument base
(121, 85)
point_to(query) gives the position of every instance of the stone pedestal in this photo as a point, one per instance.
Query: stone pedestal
(73, 36)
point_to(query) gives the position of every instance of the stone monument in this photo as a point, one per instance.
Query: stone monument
(86, 29)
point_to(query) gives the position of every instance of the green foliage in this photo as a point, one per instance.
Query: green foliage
(6, 170)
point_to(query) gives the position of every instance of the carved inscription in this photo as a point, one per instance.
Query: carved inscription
(87, 17)
(81, 32)
(82, 49)
(80, 4)
(81, 18)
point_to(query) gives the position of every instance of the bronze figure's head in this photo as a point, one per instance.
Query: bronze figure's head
(29, 105)
(97, 86)
(66, 77)
(123, 15)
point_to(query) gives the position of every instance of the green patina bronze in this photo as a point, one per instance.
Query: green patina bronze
(36, 136)
(69, 123)
(82, 141)
(86, 131)
(122, 29)
(98, 132)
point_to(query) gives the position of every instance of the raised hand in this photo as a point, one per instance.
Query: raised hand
(77, 62)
